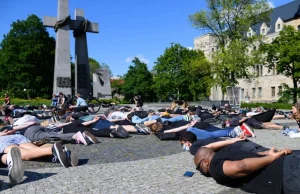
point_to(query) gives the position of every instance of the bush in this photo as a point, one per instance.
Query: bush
(275, 105)
(34, 102)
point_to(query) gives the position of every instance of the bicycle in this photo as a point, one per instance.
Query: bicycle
(94, 105)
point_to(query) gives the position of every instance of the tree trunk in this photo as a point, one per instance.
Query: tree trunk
(295, 90)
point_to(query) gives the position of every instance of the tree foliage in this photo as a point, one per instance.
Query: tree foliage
(138, 81)
(229, 22)
(94, 64)
(283, 54)
(181, 73)
(27, 59)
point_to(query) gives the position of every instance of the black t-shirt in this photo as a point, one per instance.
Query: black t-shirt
(245, 146)
(266, 180)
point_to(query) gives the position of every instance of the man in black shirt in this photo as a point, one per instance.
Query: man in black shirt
(263, 172)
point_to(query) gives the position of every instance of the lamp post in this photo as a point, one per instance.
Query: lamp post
(247, 98)
(178, 59)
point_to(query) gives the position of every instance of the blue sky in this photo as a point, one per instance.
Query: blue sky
(127, 28)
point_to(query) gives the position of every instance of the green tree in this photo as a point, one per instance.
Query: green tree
(27, 59)
(116, 86)
(177, 73)
(229, 22)
(138, 81)
(94, 64)
(104, 65)
(283, 54)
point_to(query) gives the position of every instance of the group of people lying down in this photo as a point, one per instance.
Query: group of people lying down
(22, 139)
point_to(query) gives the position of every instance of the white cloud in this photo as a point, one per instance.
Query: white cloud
(190, 48)
(141, 57)
(271, 4)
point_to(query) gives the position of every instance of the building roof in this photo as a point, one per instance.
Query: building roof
(285, 12)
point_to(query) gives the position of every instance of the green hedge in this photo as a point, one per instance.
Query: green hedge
(33, 102)
(267, 105)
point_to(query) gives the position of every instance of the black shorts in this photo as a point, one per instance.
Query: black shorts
(252, 122)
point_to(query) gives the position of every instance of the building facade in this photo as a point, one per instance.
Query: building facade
(266, 86)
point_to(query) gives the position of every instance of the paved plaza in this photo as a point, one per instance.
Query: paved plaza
(140, 164)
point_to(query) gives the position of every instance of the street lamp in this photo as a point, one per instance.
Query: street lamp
(178, 57)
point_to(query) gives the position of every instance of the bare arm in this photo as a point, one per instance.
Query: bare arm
(176, 129)
(241, 168)
(220, 144)
(90, 122)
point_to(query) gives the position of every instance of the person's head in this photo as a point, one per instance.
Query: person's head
(192, 109)
(156, 127)
(296, 109)
(202, 160)
(151, 112)
(184, 104)
(187, 139)
(5, 95)
(54, 95)
(45, 123)
(78, 95)
(60, 94)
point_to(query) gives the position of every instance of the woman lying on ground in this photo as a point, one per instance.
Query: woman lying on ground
(29, 151)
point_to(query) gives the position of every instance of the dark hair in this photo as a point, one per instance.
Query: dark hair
(192, 108)
(188, 136)
(129, 116)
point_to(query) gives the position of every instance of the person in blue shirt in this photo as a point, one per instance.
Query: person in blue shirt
(81, 105)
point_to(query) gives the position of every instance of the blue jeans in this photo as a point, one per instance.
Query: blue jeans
(286, 131)
(174, 119)
(136, 119)
(202, 134)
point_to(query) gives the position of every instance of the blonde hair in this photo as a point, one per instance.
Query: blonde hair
(46, 123)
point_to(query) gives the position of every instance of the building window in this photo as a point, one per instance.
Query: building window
(279, 90)
(298, 28)
(273, 91)
(253, 92)
(278, 26)
(263, 31)
(242, 93)
(261, 70)
(259, 92)
(257, 70)
(213, 49)
(249, 34)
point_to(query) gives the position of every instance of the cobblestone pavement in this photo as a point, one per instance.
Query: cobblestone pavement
(140, 164)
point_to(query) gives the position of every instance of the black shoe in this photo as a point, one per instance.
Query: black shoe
(122, 130)
(90, 138)
(60, 155)
(118, 134)
(72, 156)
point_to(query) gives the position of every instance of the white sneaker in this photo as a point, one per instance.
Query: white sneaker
(15, 166)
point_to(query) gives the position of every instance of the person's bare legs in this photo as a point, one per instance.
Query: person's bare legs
(269, 125)
(32, 153)
(278, 117)
(148, 123)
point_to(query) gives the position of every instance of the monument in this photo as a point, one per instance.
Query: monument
(62, 68)
(101, 83)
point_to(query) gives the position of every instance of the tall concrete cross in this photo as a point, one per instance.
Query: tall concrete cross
(62, 68)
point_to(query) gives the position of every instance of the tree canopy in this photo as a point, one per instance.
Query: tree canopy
(182, 72)
(27, 59)
(283, 54)
(138, 81)
(229, 21)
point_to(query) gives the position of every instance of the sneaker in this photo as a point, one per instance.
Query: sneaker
(15, 166)
(248, 131)
(89, 137)
(60, 155)
(237, 131)
(117, 133)
(72, 156)
(143, 129)
(123, 131)
(80, 138)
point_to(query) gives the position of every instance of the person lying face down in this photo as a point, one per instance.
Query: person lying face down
(273, 171)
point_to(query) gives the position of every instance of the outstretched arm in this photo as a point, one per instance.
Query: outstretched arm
(92, 121)
(180, 128)
(220, 144)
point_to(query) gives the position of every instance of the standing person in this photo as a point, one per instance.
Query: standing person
(81, 105)
(138, 102)
(6, 100)
(54, 101)
(61, 100)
